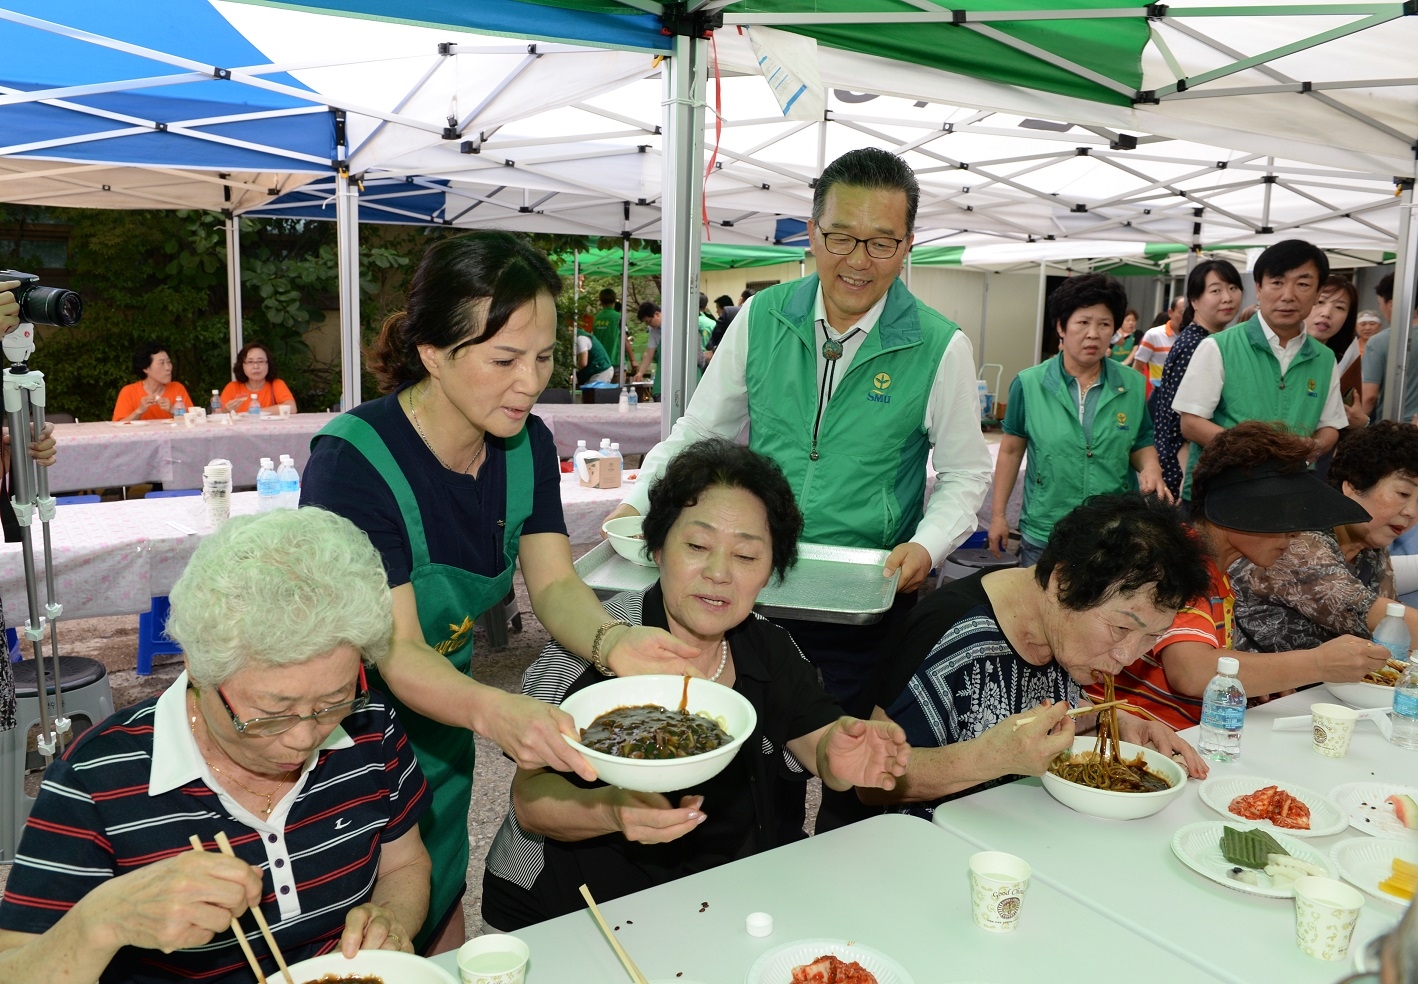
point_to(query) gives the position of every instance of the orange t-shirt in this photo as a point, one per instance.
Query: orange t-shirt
(131, 395)
(272, 393)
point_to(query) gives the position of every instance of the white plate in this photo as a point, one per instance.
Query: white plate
(1364, 863)
(1361, 694)
(776, 966)
(1198, 846)
(1325, 815)
(1364, 804)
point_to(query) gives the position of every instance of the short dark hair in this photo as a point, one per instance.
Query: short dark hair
(1340, 341)
(647, 310)
(1291, 254)
(238, 369)
(1121, 543)
(1086, 290)
(869, 167)
(143, 357)
(703, 300)
(724, 300)
(606, 296)
(715, 462)
(1196, 284)
(745, 295)
(1247, 446)
(502, 267)
(1369, 454)
(1384, 288)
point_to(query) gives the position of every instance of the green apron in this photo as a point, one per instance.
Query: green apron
(449, 601)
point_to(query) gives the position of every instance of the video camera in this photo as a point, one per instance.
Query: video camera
(44, 305)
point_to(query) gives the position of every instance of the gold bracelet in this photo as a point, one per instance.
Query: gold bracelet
(596, 660)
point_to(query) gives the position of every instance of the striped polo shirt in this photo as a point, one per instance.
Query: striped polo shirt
(134, 788)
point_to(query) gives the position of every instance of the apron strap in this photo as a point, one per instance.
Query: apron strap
(521, 487)
(366, 441)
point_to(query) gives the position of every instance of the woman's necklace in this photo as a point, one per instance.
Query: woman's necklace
(424, 437)
(723, 661)
(268, 797)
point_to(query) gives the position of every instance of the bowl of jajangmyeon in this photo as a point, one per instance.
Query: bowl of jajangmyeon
(1136, 783)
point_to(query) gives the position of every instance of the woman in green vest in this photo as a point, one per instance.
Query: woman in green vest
(455, 482)
(1081, 417)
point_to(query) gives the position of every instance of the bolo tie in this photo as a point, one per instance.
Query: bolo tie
(831, 351)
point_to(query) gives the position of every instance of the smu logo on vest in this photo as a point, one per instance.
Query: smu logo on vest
(1122, 421)
(1310, 389)
(881, 382)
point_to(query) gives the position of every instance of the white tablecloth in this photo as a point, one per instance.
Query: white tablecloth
(1126, 872)
(892, 883)
(107, 455)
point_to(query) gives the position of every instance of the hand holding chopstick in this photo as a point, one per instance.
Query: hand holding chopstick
(625, 960)
(1076, 711)
(225, 846)
(236, 929)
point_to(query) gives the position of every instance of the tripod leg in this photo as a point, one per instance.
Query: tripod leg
(53, 610)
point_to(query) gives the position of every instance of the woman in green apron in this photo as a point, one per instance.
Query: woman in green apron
(455, 482)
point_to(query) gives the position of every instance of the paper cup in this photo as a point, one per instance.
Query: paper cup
(1325, 913)
(1334, 727)
(998, 882)
(493, 959)
(285, 411)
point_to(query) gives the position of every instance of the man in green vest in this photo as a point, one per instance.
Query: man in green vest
(856, 389)
(1081, 417)
(1267, 368)
(607, 328)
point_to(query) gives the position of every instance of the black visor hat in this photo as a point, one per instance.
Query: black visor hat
(1275, 498)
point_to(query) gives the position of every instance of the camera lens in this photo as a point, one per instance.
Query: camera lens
(51, 306)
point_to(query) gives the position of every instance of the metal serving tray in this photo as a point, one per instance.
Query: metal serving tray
(828, 584)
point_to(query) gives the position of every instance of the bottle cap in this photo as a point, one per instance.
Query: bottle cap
(1394, 609)
(1229, 665)
(759, 924)
(265, 462)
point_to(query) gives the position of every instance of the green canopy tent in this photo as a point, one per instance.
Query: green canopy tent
(646, 263)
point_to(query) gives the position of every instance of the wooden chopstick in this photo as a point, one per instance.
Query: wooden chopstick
(1076, 711)
(196, 843)
(225, 845)
(625, 960)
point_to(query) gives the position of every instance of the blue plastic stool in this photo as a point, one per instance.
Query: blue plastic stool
(152, 624)
(74, 500)
(170, 493)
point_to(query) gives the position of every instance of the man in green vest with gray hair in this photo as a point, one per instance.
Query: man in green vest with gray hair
(1267, 368)
(855, 388)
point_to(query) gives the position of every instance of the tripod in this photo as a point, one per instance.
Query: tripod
(24, 410)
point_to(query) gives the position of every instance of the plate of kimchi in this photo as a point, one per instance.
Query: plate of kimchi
(826, 962)
(1297, 811)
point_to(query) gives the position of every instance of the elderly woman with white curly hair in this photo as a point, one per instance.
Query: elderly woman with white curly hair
(270, 736)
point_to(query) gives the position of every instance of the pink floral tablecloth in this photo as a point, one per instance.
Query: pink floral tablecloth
(637, 430)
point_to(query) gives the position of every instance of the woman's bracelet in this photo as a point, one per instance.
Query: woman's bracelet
(596, 660)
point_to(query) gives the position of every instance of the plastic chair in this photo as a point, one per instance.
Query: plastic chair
(74, 500)
(88, 699)
(152, 624)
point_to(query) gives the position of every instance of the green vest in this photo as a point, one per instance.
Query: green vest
(863, 482)
(1255, 390)
(1065, 466)
(605, 326)
(596, 361)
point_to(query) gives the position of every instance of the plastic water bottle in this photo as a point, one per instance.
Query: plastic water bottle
(615, 453)
(179, 409)
(633, 398)
(1392, 632)
(289, 480)
(215, 407)
(1405, 708)
(1223, 713)
(268, 488)
(605, 447)
(579, 461)
(253, 407)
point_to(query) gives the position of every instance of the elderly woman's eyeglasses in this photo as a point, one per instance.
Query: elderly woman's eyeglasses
(267, 727)
(878, 247)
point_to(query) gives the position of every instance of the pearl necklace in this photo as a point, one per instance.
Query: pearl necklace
(268, 797)
(723, 661)
(426, 443)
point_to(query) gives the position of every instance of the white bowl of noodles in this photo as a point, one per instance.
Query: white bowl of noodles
(730, 708)
(389, 966)
(1110, 805)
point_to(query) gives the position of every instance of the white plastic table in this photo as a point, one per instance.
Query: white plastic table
(1126, 871)
(893, 883)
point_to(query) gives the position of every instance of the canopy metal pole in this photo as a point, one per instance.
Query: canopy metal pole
(1039, 319)
(233, 283)
(1403, 297)
(685, 81)
(347, 235)
(624, 300)
(984, 316)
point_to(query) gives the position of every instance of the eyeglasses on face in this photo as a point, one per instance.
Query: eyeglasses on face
(267, 727)
(878, 247)
(254, 362)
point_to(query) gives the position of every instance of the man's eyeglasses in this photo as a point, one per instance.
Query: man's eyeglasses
(878, 247)
(267, 727)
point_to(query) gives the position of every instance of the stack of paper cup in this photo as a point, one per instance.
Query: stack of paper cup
(216, 490)
(998, 882)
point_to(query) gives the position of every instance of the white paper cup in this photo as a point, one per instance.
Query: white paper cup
(1325, 913)
(1334, 727)
(998, 882)
(285, 411)
(493, 959)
